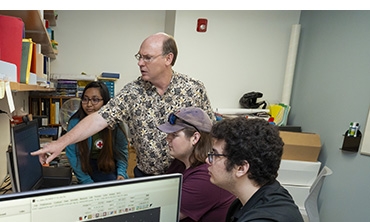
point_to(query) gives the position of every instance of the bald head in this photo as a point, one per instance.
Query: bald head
(162, 41)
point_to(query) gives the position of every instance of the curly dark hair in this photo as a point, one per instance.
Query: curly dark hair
(252, 140)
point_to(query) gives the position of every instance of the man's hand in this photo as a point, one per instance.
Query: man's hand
(88, 126)
(49, 152)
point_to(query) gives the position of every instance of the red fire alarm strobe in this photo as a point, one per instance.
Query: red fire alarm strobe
(202, 25)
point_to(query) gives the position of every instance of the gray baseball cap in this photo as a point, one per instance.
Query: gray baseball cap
(187, 117)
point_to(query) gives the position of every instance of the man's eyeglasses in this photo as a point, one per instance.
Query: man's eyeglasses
(145, 58)
(94, 101)
(212, 154)
(172, 118)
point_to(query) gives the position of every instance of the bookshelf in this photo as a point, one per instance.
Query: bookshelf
(35, 28)
(47, 105)
(50, 16)
(21, 87)
(109, 82)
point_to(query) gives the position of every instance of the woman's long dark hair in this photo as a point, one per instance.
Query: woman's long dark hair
(106, 161)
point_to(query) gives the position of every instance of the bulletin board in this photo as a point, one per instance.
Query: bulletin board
(365, 143)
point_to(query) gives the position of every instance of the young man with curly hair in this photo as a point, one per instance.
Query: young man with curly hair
(245, 160)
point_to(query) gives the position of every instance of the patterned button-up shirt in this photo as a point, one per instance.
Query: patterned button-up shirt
(140, 106)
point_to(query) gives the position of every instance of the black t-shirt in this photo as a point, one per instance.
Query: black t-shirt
(271, 202)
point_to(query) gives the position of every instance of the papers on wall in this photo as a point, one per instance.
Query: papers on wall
(9, 97)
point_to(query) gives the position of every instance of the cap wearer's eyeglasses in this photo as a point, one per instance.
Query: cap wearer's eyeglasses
(212, 154)
(172, 118)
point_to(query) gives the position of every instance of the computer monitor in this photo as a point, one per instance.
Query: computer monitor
(25, 170)
(153, 198)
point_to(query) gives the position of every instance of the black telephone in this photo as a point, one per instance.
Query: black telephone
(249, 100)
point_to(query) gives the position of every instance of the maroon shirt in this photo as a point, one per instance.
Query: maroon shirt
(201, 200)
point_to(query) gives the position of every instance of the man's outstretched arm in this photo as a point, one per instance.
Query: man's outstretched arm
(87, 127)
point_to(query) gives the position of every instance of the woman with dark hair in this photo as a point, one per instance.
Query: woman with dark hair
(189, 142)
(103, 156)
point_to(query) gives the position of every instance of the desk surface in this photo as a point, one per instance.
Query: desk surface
(6, 185)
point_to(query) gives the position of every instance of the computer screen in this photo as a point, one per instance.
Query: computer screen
(27, 171)
(153, 198)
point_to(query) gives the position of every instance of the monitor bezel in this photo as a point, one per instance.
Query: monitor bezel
(97, 185)
(16, 174)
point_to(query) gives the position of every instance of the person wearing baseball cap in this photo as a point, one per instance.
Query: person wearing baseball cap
(189, 142)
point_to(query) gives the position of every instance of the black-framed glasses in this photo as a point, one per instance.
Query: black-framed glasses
(145, 58)
(212, 154)
(172, 118)
(94, 101)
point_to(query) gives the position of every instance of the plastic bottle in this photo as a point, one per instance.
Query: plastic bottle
(353, 128)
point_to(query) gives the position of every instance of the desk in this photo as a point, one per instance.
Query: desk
(59, 173)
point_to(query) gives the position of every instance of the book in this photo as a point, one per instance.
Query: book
(46, 68)
(40, 65)
(33, 58)
(57, 112)
(11, 34)
(46, 110)
(52, 113)
(27, 45)
(110, 75)
(37, 60)
(35, 107)
(110, 86)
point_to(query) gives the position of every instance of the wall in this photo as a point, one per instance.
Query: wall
(96, 41)
(236, 55)
(331, 89)
(241, 51)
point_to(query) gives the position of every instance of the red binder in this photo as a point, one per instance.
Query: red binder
(11, 35)
(33, 59)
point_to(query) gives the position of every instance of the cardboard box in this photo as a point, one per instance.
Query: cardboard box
(299, 173)
(301, 146)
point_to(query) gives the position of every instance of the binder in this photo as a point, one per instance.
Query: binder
(37, 61)
(11, 34)
(27, 45)
(33, 58)
(57, 108)
(52, 113)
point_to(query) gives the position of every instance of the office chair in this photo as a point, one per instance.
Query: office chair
(312, 198)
